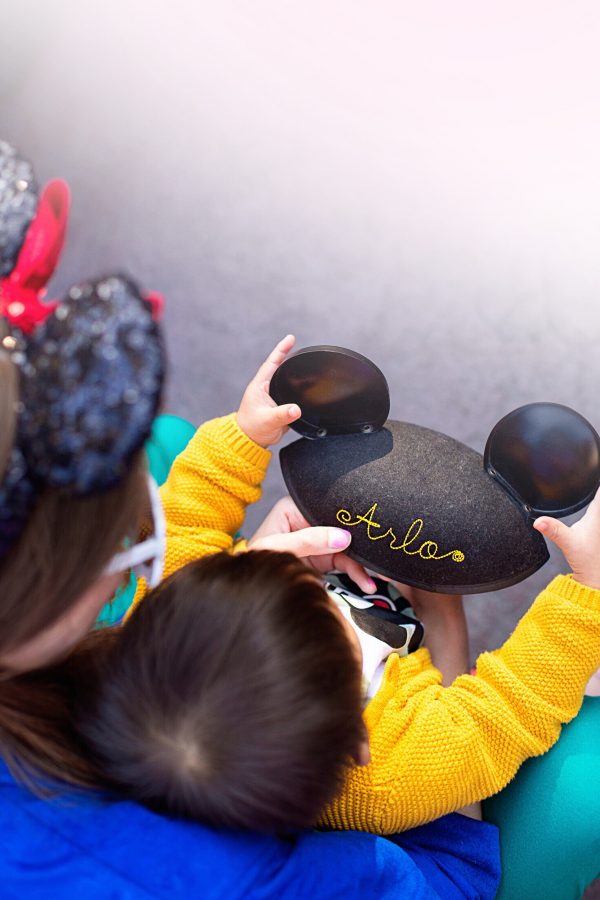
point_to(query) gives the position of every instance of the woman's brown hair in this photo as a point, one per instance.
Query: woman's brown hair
(232, 695)
(63, 549)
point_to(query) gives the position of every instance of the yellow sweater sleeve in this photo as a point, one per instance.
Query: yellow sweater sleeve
(436, 749)
(205, 496)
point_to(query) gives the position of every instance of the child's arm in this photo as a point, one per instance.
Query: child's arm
(446, 636)
(208, 489)
(220, 472)
(436, 749)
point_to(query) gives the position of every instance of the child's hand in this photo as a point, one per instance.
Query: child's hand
(580, 543)
(259, 417)
(286, 530)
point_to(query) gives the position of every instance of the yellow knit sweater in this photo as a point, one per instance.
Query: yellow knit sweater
(206, 494)
(436, 749)
(433, 749)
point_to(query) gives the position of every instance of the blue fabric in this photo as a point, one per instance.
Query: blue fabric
(459, 856)
(85, 848)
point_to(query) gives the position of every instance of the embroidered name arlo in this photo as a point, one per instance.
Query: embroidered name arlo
(426, 550)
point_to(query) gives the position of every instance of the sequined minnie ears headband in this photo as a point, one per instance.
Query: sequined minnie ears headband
(90, 367)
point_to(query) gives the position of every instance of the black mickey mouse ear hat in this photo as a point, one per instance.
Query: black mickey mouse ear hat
(422, 507)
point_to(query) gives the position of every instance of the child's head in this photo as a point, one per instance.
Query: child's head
(232, 695)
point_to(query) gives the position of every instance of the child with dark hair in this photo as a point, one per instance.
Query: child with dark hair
(231, 695)
(433, 750)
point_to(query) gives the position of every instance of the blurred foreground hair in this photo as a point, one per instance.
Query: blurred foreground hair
(62, 550)
(232, 695)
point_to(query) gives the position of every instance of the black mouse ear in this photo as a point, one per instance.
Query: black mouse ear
(339, 391)
(547, 457)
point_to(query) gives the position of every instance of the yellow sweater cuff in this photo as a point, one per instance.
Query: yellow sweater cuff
(230, 433)
(580, 594)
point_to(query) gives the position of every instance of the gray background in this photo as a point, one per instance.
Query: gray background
(417, 181)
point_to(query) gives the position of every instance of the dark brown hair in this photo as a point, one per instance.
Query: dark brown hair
(64, 548)
(38, 739)
(232, 695)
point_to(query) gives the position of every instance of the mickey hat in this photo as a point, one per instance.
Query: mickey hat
(422, 507)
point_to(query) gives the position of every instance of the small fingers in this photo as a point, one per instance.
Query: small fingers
(316, 541)
(284, 415)
(287, 412)
(356, 572)
(274, 359)
(294, 518)
(593, 510)
(555, 531)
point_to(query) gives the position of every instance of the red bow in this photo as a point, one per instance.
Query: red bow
(21, 292)
(157, 304)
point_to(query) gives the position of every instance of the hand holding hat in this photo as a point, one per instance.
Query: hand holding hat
(286, 530)
(423, 508)
(579, 543)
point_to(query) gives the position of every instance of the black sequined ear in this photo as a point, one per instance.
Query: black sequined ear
(339, 391)
(18, 203)
(90, 386)
(547, 457)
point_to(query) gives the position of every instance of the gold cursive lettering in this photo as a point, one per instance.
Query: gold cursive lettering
(426, 550)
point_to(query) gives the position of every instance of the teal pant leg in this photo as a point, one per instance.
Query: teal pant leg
(169, 437)
(549, 816)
